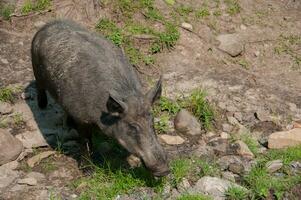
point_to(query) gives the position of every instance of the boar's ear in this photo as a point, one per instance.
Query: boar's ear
(115, 106)
(155, 93)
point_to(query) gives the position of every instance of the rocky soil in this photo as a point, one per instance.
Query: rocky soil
(249, 64)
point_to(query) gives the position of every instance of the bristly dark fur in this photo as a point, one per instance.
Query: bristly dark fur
(95, 84)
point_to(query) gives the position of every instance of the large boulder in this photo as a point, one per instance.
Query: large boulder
(214, 187)
(10, 147)
(187, 124)
(283, 139)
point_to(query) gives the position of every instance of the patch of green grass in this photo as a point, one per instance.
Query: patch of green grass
(236, 193)
(180, 168)
(202, 12)
(42, 5)
(194, 168)
(169, 37)
(170, 2)
(110, 30)
(243, 63)
(217, 13)
(162, 126)
(18, 119)
(7, 94)
(259, 181)
(289, 45)
(6, 11)
(184, 11)
(48, 165)
(207, 169)
(200, 107)
(233, 7)
(39, 5)
(107, 182)
(165, 104)
(194, 197)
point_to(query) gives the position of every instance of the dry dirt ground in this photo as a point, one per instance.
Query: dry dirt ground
(259, 81)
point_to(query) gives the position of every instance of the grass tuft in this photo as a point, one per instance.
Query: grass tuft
(6, 11)
(200, 107)
(260, 181)
(194, 197)
(236, 193)
(233, 7)
(8, 94)
(38, 5)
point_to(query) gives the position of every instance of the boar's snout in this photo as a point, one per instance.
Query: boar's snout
(160, 170)
(156, 161)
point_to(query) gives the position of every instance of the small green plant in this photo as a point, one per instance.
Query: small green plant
(42, 5)
(200, 107)
(168, 38)
(170, 2)
(184, 11)
(243, 63)
(236, 193)
(202, 13)
(27, 7)
(48, 166)
(18, 119)
(165, 104)
(194, 197)
(260, 181)
(6, 11)
(217, 13)
(7, 94)
(233, 7)
(38, 5)
(180, 168)
(207, 169)
(161, 126)
(288, 45)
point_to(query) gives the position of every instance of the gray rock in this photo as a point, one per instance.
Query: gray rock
(171, 139)
(221, 146)
(32, 139)
(186, 123)
(227, 128)
(238, 116)
(229, 176)
(11, 165)
(4, 61)
(233, 121)
(39, 24)
(263, 115)
(7, 176)
(273, 166)
(28, 181)
(244, 150)
(204, 151)
(231, 44)
(225, 161)
(37, 158)
(213, 186)
(187, 26)
(283, 139)
(36, 175)
(183, 186)
(224, 135)
(236, 168)
(5, 108)
(10, 147)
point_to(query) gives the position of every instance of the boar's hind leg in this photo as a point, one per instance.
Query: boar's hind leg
(42, 98)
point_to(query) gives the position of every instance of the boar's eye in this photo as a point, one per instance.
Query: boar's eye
(134, 128)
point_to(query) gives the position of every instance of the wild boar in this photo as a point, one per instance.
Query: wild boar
(95, 84)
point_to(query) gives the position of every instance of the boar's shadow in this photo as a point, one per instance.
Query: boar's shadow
(60, 136)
